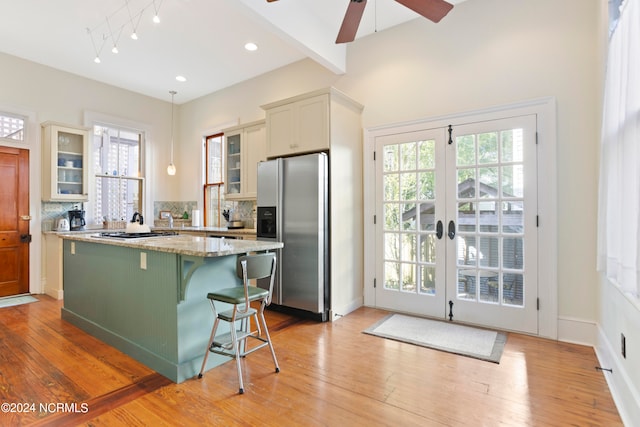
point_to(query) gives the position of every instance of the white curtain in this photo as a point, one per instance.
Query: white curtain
(619, 192)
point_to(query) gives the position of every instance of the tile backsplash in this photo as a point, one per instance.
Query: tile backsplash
(246, 209)
(52, 211)
(177, 209)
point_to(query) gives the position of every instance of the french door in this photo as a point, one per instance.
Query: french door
(457, 232)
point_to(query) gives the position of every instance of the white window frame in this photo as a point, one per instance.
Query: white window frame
(94, 118)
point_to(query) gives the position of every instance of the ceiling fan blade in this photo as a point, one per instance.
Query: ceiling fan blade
(434, 10)
(351, 21)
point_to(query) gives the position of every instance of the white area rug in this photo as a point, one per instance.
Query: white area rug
(21, 299)
(441, 335)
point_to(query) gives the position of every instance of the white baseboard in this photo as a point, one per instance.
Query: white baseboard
(52, 292)
(338, 312)
(625, 395)
(577, 331)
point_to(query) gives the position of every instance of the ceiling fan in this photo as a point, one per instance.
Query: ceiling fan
(434, 10)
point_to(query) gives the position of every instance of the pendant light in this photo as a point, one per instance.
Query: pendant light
(171, 169)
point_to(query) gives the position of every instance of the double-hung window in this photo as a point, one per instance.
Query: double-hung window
(118, 176)
(214, 180)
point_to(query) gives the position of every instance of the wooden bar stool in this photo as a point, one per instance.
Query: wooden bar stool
(234, 343)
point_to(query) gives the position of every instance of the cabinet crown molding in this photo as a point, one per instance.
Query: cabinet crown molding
(333, 92)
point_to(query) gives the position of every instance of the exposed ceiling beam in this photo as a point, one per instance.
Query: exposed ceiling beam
(313, 37)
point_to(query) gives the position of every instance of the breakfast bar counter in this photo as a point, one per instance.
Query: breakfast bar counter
(147, 296)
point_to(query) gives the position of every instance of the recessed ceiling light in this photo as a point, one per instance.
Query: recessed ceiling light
(181, 78)
(251, 46)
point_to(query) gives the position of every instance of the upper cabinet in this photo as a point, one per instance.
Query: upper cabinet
(298, 127)
(64, 163)
(244, 148)
(306, 123)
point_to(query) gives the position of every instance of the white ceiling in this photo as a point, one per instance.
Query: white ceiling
(200, 39)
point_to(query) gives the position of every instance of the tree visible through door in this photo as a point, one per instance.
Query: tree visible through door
(14, 221)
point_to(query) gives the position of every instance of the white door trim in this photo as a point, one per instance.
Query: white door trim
(545, 110)
(32, 143)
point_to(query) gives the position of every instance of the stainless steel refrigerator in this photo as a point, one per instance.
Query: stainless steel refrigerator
(292, 207)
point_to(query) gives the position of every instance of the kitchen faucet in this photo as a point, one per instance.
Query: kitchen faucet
(170, 221)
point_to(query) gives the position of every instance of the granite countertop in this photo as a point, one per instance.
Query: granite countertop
(180, 244)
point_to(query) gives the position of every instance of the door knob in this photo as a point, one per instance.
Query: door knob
(439, 230)
(452, 230)
(25, 217)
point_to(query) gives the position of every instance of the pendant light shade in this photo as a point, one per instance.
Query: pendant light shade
(171, 169)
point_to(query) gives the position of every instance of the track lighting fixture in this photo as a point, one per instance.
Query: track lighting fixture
(113, 25)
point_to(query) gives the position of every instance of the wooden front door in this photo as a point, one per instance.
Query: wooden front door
(14, 221)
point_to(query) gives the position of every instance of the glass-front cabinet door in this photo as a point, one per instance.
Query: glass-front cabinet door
(64, 160)
(234, 184)
(245, 146)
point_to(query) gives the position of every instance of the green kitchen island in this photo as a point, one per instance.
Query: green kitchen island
(148, 297)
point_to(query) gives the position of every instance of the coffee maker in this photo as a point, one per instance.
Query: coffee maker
(76, 219)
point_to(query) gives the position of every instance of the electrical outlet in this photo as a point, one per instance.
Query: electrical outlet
(623, 345)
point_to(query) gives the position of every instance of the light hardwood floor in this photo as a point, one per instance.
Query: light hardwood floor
(331, 375)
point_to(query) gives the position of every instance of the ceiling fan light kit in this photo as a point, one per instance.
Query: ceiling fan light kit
(433, 10)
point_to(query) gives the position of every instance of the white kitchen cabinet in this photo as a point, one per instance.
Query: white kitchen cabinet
(64, 163)
(299, 126)
(244, 148)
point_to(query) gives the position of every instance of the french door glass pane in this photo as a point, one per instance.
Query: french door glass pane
(512, 217)
(391, 216)
(408, 277)
(427, 154)
(427, 182)
(391, 187)
(488, 147)
(392, 246)
(409, 249)
(409, 217)
(466, 150)
(466, 183)
(392, 275)
(428, 282)
(390, 158)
